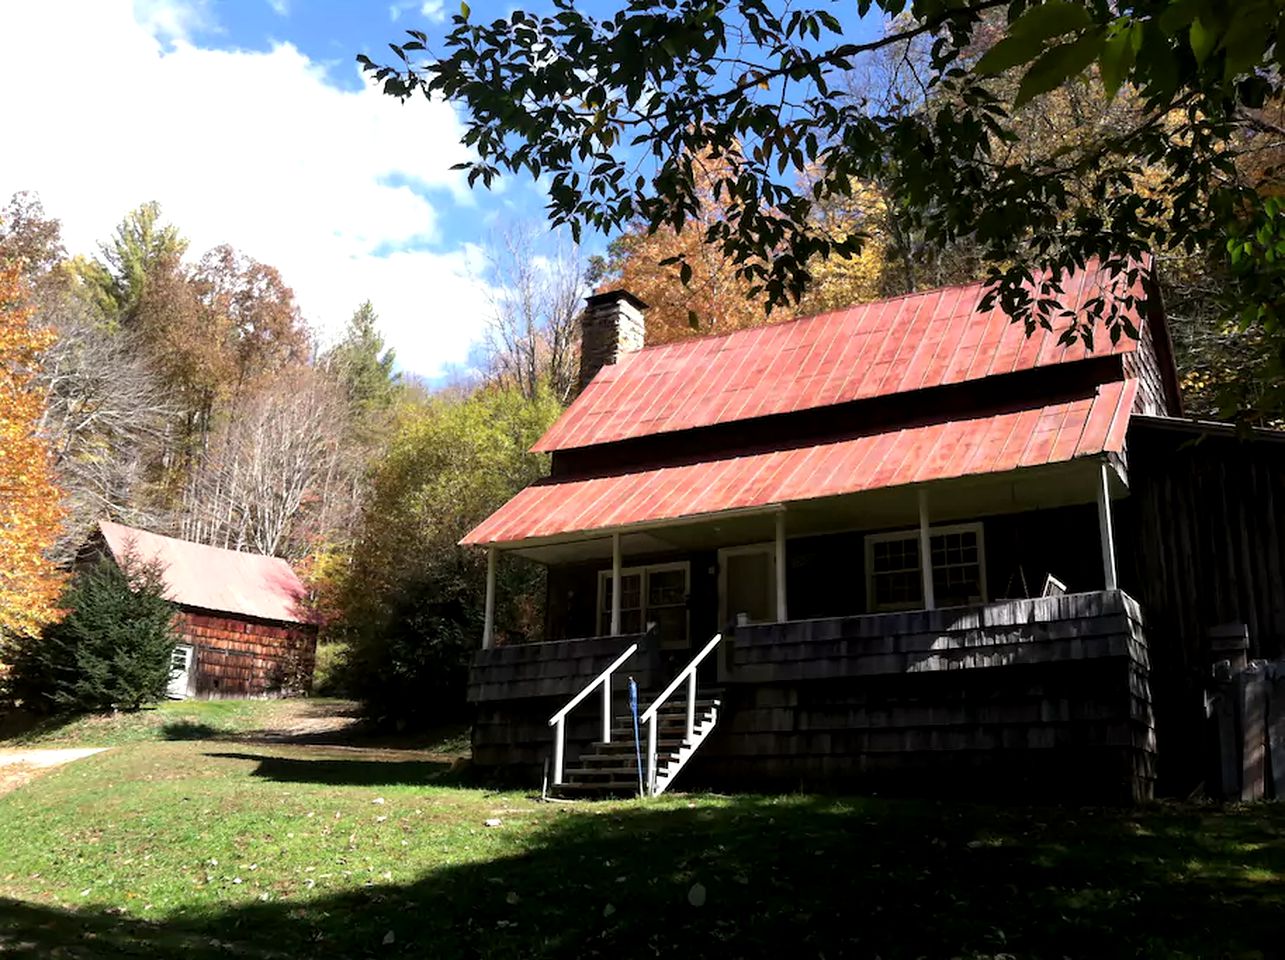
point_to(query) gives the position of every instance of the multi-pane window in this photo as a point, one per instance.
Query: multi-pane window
(894, 577)
(653, 594)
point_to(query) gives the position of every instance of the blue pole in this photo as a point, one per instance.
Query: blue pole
(633, 710)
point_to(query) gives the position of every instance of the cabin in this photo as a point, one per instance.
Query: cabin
(900, 547)
(242, 629)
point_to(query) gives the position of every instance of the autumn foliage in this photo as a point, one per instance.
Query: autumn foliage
(30, 503)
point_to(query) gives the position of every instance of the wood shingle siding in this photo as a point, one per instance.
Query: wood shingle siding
(517, 688)
(244, 657)
(1048, 696)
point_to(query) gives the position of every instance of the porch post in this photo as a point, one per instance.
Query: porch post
(781, 613)
(488, 624)
(615, 584)
(1105, 529)
(925, 552)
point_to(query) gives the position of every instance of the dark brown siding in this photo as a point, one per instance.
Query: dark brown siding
(826, 574)
(1201, 544)
(246, 657)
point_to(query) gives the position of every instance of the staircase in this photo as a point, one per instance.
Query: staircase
(611, 769)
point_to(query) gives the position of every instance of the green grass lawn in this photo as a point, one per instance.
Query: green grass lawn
(204, 849)
(215, 719)
(170, 720)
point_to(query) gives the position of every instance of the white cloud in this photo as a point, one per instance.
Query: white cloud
(250, 148)
(174, 19)
(280, 7)
(434, 10)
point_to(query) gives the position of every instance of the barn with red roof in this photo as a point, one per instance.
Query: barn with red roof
(241, 618)
(899, 542)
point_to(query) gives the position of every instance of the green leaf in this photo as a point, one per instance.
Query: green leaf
(1244, 42)
(1008, 53)
(1203, 40)
(464, 9)
(1059, 65)
(1118, 55)
(1053, 19)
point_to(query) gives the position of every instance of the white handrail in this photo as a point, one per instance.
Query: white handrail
(559, 719)
(688, 673)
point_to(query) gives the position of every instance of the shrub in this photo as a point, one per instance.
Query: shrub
(112, 649)
(329, 677)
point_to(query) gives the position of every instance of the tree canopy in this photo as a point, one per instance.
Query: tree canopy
(617, 110)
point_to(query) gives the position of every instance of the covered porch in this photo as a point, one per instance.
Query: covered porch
(951, 543)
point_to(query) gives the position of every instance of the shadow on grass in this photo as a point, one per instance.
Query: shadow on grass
(189, 730)
(19, 726)
(806, 876)
(386, 771)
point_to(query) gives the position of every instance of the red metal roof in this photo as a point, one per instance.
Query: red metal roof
(1051, 433)
(874, 349)
(212, 578)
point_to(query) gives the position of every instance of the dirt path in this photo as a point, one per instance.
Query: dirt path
(21, 766)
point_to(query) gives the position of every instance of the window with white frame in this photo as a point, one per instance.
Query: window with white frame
(652, 594)
(894, 580)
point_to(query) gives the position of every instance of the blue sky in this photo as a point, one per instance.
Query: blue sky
(249, 122)
(253, 127)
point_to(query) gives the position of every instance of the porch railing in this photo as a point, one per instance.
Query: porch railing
(651, 716)
(559, 719)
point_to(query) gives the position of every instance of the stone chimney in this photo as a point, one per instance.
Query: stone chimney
(611, 326)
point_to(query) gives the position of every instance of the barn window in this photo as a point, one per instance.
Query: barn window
(894, 580)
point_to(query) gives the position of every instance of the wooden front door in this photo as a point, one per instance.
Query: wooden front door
(747, 584)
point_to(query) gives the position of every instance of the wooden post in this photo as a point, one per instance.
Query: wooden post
(615, 584)
(1105, 530)
(559, 750)
(926, 551)
(488, 623)
(782, 614)
(651, 755)
(606, 709)
(1253, 726)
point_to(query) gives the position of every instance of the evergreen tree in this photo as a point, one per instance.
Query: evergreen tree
(362, 365)
(140, 245)
(111, 651)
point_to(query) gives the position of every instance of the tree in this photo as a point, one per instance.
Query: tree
(533, 337)
(409, 602)
(362, 366)
(691, 287)
(613, 111)
(214, 333)
(272, 469)
(112, 650)
(105, 416)
(256, 312)
(30, 503)
(118, 277)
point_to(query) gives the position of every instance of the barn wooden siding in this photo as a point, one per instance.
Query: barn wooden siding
(246, 657)
(1031, 698)
(517, 688)
(1202, 544)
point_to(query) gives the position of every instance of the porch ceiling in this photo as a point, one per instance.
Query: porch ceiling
(858, 481)
(1053, 485)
